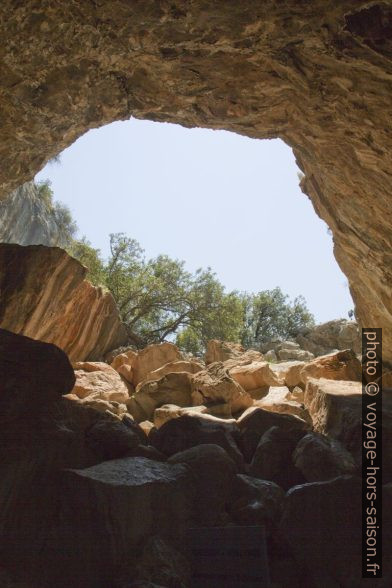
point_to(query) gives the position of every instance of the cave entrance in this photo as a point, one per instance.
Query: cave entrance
(211, 198)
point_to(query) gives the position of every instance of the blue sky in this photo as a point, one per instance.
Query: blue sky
(211, 198)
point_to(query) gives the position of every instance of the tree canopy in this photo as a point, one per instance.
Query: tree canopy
(159, 300)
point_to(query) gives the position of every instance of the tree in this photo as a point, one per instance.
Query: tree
(45, 192)
(158, 298)
(64, 220)
(91, 258)
(269, 315)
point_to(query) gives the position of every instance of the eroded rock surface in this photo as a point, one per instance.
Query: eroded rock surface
(44, 295)
(317, 75)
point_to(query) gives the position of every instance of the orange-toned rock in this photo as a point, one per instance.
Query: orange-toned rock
(174, 388)
(192, 367)
(214, 384)
(135, 366)
(44, 295)
(341, 365)
(102, 383)
(279, 399)
(222, 350)
(256, 375)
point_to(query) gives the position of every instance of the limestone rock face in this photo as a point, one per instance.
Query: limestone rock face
(44, 296)
(315, 75)
(26, 220)
(216, 385)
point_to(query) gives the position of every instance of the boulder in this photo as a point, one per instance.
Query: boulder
(111, 439)
(44, 295)
(146, 427)
(160, 564)
(215, 385)
(222, 350)
(213, 471)
(279, 399)
(115, 408)
(153, 357)
(287, 373)
(32, 375)
(342, 365)
(187, 431)
(272, 459)
(298, 394)
(167, 412)
(122, 502)
(99, 381)
(336, 411)
(192, 367)
(320, 458)
(255, 502)
(257, 375)
(174, 388)
(254, 422)
(124, 364)
(271, 356)
(322, 524)
(337, 334)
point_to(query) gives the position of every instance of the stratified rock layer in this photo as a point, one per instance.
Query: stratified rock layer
(316, 74)
(44, 296)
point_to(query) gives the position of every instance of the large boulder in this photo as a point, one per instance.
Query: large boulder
(322, 524)
(136, 366)
(213, 471)
(44, 295)
(32, 375)
(320, 458)
(272, 459)
(255, 376)
(254, 422)
(336, 411)
(222, 350)
(167, 412)
(174, 388)
(192, 367)
(215, 385)
(289, 350)
(337, 334)
(255, 502)
(159, 564)
(279, 399)
(189, 430)
(342, 365)
(122, 502)
(99, 381)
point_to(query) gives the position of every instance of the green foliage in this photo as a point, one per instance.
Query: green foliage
(269, 315)
(64, 220)
(91, 258)
(45, 192)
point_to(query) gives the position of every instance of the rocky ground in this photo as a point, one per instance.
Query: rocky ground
(105, 465)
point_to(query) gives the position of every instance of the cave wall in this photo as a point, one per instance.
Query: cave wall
(317, 74)
(26, 219)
